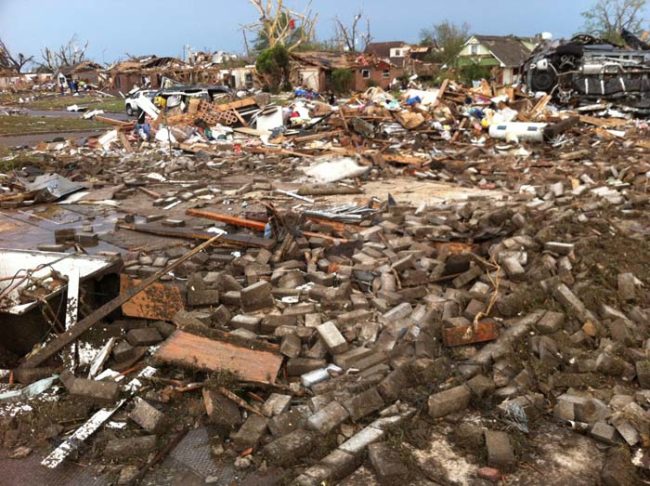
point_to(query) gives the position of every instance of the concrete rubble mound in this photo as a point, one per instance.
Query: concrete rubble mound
(288, 291)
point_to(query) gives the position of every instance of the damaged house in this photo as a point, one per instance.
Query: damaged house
(413, 59)
(147, 71)
(314, 70)
(87, 71)
(503, 55)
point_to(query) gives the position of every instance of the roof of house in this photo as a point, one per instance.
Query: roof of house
(338, 60)
(382, 49)
(509, 50)
(81, 67)
(147, 62)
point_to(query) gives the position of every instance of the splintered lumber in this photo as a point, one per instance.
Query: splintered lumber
(236, 240)
(226, 218)
(249, 223)
(275, 151)
(552, 131)
(62, 340)
(315, 136)
(326, 190)
(235, 105)
(198, 352)
(114, 122)
(604, 122)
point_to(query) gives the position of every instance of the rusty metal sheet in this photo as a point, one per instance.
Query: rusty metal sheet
(482, 332)
(159, 301)
(198, 352)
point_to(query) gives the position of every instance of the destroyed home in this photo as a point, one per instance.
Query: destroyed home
(86, 71)
(148, 71)
(440, 284)
(313, 69)
(502, 55)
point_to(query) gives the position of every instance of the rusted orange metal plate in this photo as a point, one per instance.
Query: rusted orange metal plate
(483, 332)
(159, 301)
(198, 352)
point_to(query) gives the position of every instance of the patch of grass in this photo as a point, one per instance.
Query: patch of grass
(52, 101)
(23, 125)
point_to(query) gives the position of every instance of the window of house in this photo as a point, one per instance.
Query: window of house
(386, 73)
(398, 53)
(365, 73)
(474, 49)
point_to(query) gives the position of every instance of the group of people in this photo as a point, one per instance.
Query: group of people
(74, 85)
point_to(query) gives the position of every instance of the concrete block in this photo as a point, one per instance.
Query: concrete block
(257, 296)
(388, 466)
(481, 386)
(328, 417)
(550, 322)
(146, 336)
(300, 366)
(276, 404)
(289, 448)
(289, 421)
(221, 411)
(250, 323)
(332, 337)
(643, 373)
(449, 401)
(250, 434)
(291, 346)
(364, 403)
(100, 391)
(362, 439)
(146, 415)
(130, 448)
(499, 450)
(605, 433)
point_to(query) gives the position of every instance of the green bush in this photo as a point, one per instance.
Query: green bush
(273, 65)
(474, 72)
(342, 80)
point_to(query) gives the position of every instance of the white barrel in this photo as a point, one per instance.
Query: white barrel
(533, 132)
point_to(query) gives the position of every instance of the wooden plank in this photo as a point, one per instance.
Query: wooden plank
(125, 142)
(114, 122)
(159, 301)
(198, 352)
(235, 105)
(249, 223)
(229, 240)
(56, 344)
(226, 218)
(240, 118)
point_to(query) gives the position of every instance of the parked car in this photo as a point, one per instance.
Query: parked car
(182, 93)
(130, 100)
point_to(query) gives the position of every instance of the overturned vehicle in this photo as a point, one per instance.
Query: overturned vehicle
(586, 70)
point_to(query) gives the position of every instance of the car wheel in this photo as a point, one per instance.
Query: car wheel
(129, 110)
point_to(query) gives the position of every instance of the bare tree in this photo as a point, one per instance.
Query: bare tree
(68, 54)
(607, 18)
(346, 36)
(278, 24)
(8, 61)
(449, 38)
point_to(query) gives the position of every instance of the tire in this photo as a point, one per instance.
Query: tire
(129, 110)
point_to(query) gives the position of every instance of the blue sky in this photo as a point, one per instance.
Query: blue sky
(116, 27)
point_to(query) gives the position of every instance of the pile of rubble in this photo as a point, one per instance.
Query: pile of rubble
(323, 329)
